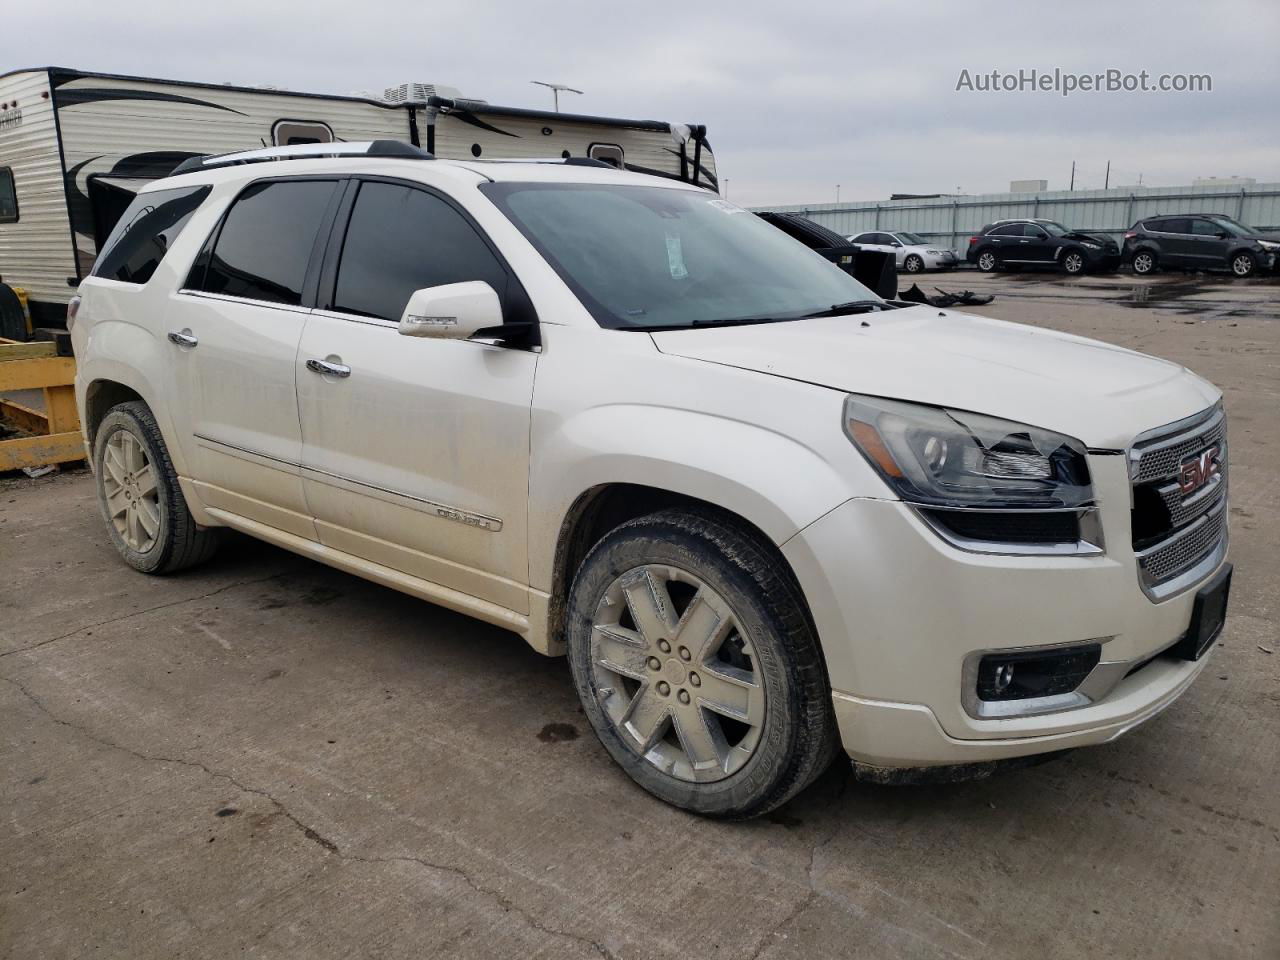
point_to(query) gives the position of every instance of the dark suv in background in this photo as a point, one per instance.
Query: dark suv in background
(1198, 241)
(1041, 243)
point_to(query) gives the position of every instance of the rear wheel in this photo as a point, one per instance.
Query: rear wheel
(146, 513)
(1073, 263)
(1243, 264)
(913, 264)
(987, 261)
(698, 667)
(1144, 262)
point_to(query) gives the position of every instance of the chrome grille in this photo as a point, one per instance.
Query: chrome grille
(1159, 457)
(1184, 548)
(1189, 545)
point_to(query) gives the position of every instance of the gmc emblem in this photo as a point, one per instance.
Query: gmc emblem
(1196, 471)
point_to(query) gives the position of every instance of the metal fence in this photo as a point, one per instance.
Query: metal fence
(950, 221)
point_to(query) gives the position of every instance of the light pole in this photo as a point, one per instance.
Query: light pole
(555, 90)
(837, 193)
(726, 188)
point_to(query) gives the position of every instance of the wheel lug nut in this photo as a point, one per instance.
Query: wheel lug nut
(695, 679)
(664, 688)
(655, 663)
(683, 696)
(664, 646)
(685, 654)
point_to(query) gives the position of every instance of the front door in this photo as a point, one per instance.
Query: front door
(1209, 244)
(233, 338)
(415, 451)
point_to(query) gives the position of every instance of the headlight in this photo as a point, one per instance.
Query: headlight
(1091, 246)
(934, 253)
(1269, 245)
(936, 457)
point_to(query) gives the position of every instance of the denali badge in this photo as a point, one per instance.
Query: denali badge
(1196, 471)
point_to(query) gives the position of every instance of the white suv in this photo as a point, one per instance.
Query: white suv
(765, 513)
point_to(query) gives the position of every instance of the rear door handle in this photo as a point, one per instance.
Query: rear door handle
(183, 339)
(328, 369)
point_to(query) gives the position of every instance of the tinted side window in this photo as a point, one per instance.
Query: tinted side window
(1008, 230)
(1174, 225)
(1206, 228)
(145, 232)
(401, 239)
(1031, 230)
(264, 246)
(8, 197)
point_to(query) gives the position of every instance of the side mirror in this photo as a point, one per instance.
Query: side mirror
(1223, 235)
(451, 311)
(896, 243)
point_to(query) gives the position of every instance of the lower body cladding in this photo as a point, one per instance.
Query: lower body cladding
(940, 657)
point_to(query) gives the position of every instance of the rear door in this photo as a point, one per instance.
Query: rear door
(418, 457)
(233, 340)
(1174, 236)
(1006, 240)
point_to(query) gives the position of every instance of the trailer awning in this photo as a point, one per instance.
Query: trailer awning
(129, 185)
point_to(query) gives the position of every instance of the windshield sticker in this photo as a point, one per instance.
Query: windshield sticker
(675, 258)
(726, 207)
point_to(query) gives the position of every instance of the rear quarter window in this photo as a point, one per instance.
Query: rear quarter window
(145, 232)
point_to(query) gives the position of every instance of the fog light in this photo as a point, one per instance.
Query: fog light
(1035, 673)
(1004, 677)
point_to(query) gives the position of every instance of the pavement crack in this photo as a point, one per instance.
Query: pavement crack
(139, 613)
(310, 833)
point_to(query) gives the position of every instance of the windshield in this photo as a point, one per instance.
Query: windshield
(641, 257)
(912, 238)
(1239, 229)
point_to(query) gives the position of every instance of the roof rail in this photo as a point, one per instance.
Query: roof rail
(563, 161)
(302, 151)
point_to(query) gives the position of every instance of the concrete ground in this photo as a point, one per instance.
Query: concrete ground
(268, 758)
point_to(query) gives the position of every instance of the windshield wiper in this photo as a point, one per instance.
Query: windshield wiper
(853, 306)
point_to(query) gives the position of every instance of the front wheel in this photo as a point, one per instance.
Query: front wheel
(913, 264)
(146, 513)
(987, 261)
(697, 665)
(1243, 264)
(1073, 263)
(1144, 262)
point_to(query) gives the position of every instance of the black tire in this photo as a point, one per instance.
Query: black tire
(1243, 264)
(179, 543)
(798, 737)
(1144, 263)
(1073, 263)
(913, 264)
(13, 321)
(987, 261)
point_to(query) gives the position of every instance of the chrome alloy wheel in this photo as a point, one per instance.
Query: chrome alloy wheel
(676, 675)
(987, 261)
(1073, 263)
(1242, 265)
(133, 498)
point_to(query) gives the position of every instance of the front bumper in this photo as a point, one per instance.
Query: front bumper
(940, 261)
(899, 611)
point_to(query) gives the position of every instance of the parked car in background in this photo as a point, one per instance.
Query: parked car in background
(765, 513)
(1198, 241)
(875, 268)
(912, 253)
(1041, 243)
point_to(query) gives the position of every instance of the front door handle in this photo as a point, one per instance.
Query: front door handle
(329, 369)
(183, 339)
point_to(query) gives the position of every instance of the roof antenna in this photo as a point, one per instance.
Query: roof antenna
(555, 90)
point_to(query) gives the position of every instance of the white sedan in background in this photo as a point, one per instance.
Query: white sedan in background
(914, 253)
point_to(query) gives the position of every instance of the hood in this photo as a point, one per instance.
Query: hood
(1091, 237)
(1097, 393)
(1271, 236)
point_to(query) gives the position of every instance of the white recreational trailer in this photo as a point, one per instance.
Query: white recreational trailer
(75, 146)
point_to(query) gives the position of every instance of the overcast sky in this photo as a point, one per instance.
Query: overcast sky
(797, 97)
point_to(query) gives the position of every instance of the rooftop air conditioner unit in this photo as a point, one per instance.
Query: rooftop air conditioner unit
(419, 92)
